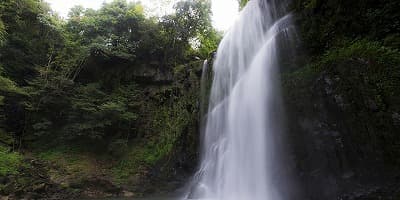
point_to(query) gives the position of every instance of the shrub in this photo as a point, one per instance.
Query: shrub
(9, 162)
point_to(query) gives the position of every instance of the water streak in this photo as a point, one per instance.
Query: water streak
(240, 155)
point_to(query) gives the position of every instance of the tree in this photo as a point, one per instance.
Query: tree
(75, 80)
(190, 22)
(11, 97)
(33, 37)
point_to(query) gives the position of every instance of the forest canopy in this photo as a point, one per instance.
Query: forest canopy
(75, 79)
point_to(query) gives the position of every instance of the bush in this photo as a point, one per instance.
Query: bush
(9, 162)
(362, 49)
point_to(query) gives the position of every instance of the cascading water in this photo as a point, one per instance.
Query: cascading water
(240, 155)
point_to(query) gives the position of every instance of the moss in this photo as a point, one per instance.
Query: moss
(135, 162)
(366, 76)
(71, 161)
(169, 113)
(382, 62)
(379, 66)
(9, 162)
(168, 123)
(361, 49)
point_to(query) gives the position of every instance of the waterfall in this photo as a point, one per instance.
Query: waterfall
(240, 156)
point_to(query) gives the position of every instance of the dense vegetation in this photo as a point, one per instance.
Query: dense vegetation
(342, 99)
(106, 101)
(101, 85)
(50, 87)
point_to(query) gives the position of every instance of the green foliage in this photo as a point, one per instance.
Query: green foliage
(114, 28)
(9, 162)
(100, 112)
(2, 33)
(339, 35)
(363, 49)
(169, 123)
(89, 111)
(172, 116)
(68, 91)
(32, 38)
(73, 163)
(366, 76)
(191, 22)
(8, 86)
(209, 43)
(242, 3)
(323, 24)
(382, 66)
(8, 91)
(171, 120)
(75, 81)
(379, 57)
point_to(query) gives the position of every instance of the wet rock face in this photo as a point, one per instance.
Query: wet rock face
(101, 64)
(342, 135)
(389, 192)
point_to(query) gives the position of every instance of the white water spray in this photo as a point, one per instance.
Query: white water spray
(239, 154)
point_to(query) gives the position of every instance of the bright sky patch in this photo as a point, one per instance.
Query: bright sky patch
(224, 11)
